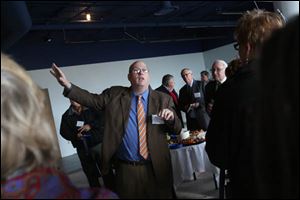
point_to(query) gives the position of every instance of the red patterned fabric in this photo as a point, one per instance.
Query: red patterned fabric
(51, 184)
(174, 97)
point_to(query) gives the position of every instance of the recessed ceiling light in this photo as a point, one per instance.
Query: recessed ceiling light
(88, 17)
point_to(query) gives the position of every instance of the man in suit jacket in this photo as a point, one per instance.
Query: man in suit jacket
(82, 127)
(167, 87)
(204, 77)
(218, 73)
(137, 176)
(191, 101)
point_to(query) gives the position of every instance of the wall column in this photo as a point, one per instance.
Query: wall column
(289, 9)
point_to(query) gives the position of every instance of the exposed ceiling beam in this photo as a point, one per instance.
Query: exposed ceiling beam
(126, 25)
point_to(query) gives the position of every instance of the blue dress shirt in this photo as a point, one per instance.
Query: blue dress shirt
(129, 148)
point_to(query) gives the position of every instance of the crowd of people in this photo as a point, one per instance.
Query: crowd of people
(249, 110)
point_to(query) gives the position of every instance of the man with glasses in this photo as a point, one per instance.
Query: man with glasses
(191, 101)
(218, 74)
(136, 122)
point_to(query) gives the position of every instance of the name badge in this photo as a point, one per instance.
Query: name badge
(157, 120)
(197, 95)
(79, 123)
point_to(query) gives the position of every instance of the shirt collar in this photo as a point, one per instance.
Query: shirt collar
(168, 89)
(223, 80)
(191, 83)
(145, 94)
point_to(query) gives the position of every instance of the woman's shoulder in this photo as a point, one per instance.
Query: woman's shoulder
(48, 183)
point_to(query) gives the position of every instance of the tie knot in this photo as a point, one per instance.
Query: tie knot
(139, 97)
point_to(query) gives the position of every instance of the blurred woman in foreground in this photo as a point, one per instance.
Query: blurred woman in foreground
(29, 151)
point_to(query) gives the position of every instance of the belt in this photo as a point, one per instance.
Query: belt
(135, 163)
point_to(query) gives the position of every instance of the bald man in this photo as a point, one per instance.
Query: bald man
(141, 172)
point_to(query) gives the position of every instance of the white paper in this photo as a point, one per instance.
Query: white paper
(157, 120)
(80, 123)
(197, 95)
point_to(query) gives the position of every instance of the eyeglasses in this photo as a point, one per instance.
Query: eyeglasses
(236, 46)
(137, 71)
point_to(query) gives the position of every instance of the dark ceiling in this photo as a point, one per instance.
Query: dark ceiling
(119, 30)
(141, 21)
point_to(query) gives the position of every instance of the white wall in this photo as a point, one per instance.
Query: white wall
(97, 77)
(289, 9)
(226, 53)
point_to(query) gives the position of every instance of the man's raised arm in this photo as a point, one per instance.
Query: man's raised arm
(60, 76)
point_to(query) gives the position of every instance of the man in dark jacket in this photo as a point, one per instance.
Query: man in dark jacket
(167, 87)
(219, 76)
(191, 101)
(83, 127)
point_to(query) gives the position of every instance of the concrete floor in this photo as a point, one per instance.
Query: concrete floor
(201, 188)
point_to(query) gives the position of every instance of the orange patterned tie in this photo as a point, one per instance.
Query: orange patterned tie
(142, 128)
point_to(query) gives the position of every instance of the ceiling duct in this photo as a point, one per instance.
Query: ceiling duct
(166, 8)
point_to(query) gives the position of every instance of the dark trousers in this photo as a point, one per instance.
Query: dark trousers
(91, 166)
(138, 181)
(90, 162)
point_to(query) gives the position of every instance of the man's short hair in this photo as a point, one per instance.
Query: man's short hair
(205, 73)
(186, 69)
(166, 78)
(220, 61)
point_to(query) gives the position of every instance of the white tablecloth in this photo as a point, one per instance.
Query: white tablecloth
(189, 160)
